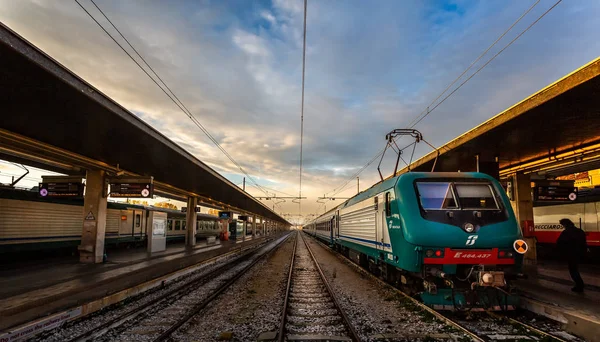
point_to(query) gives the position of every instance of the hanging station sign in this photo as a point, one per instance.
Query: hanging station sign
(184, 209)
(554, 191)
(225, 214)
(61, 186)
(142, 187)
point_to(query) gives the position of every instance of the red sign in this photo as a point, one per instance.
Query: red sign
(469, 256)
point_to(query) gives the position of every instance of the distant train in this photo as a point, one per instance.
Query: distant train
(452, 238)
(28, 222)
(584, 212)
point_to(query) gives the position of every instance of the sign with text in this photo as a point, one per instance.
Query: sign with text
(131, 187)
(225, 214)
(61, 186)
(555, 193)
(184, 209)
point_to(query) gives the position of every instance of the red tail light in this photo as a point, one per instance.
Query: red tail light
(430, 253)
(505, 254)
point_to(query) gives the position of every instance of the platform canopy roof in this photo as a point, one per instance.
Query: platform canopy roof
(55, 120)
(555, 131)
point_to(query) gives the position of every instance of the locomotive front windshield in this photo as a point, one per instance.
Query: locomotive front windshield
(456, 195)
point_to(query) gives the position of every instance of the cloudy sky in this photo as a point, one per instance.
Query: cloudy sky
(371, 66)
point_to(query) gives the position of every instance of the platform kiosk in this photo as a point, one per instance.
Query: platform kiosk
(157, 231)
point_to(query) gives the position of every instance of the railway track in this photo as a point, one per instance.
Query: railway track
(311, 311)
(486, 326)
(157, 319)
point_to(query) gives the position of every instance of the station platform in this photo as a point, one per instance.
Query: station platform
(32, 290)
(549, 293)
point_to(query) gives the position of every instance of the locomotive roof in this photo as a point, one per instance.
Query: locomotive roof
(406, 177)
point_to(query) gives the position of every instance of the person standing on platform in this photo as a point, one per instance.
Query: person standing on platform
(572, 246)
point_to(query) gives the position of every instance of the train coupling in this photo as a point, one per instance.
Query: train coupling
(438, 273)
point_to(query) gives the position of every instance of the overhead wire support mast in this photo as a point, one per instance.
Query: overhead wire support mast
(172, 95)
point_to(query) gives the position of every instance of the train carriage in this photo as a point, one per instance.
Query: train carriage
(28, 222)
(584, 211)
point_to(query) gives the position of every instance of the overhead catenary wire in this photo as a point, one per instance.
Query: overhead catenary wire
(474, 62)
(486, 63)
(302, 111)
(172, 95)
(428, 111)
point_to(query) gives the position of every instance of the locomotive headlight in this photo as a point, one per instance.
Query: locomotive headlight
(469, 227)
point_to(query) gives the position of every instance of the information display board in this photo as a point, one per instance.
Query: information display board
(156, 231)
(184, 209)
(554, 191)
(131, 187)
(61, 186)
(61, 189)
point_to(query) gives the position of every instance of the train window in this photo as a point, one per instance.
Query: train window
(476, 196)
(138, 220)
(388, 204)
(170, 224)
(436, 195)
(177, 225)
(183, 223)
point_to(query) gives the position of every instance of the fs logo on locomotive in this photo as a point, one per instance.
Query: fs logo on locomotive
(471, 240)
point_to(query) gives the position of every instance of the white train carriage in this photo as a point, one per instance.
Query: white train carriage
(324, 228)
(584, 212)
(28, 222)
(206, 225)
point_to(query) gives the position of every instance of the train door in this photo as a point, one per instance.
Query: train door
(331, 227)
(385, 218)
(379, 222)
(138, 222)
(337, 225)
(125, 223)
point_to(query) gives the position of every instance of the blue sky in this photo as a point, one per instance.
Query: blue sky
(371, 67)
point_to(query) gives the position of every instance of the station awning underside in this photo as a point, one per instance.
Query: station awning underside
(52, 119)
(555, 131)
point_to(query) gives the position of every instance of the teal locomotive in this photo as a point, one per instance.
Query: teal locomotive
(449, 237)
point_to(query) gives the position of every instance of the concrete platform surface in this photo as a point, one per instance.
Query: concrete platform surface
(21, 277)
(556, 271)
(36, 291)
(549, 293)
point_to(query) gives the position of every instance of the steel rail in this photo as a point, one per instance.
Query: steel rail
(281, 336)
(167, 334)
(353, 334)
(442, 317)
(528, 326)
(414, 301)
(132, 313)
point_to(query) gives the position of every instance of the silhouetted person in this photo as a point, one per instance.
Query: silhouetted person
(572, 246)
